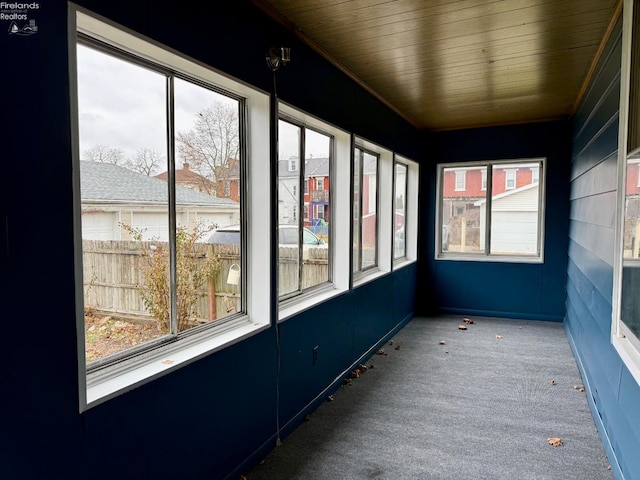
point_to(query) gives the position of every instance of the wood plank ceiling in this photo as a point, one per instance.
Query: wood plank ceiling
(448, 64)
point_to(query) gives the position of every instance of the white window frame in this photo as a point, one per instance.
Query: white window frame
(624, 342)
(384, 196)
(410, 213)
(486, 256)
(293, 166)
(319, 183)
(483, 179)
(510, 174)
(460, 186)
(339, 215)
(535, 175)
(127, 374)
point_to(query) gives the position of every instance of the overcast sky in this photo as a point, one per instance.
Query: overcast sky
(123, 105)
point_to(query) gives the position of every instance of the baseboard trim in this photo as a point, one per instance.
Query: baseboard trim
(499, 314)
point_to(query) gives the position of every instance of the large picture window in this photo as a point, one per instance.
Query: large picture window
(151, 205)
(499, 214)
(304, 242)
(626, 312)
(162, 220)
(365, 209)
(400, 210)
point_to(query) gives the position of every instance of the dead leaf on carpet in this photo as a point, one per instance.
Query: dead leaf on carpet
(397, 347)
(382, 351)
(553, 382)
(462, 327)
(499, 337)
(442, 342)
(555, 441)
(468, 321)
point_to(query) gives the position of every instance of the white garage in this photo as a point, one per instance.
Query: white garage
(113, 196)
(514, 221)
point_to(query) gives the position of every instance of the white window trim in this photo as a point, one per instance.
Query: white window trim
(627, 350)
(456, 188)
(513, 172)
(128, 374)
(483, 179)
(481, 256)
(385, 211)
(411, 214)
(340, 218)
(535, 175)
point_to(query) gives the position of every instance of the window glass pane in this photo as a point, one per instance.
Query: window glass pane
(399, 249)
(461, 210)
(369, 225)
(125, 228)
(315, 267)
(357, 211)
(208, 194)
(630, 300)
(289, 144)
(514, 210)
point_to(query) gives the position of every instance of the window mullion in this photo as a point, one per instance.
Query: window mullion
(171, 165)
(360, 206)
(487, 213)
(300, 219)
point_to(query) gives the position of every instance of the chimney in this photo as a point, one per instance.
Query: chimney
(185, 166)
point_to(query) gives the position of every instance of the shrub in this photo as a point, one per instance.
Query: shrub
(194, 268)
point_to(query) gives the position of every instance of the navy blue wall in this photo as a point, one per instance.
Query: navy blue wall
(516, 290)
(209, 418)
(613, 392)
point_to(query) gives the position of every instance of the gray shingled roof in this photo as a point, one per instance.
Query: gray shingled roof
(313, 167)
(103, 182)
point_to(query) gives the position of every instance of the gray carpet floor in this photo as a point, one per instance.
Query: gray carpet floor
(445, 403)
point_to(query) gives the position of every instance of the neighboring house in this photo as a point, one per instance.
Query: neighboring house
(228, 180)
(316, 191)
(112, 196)
(185, 177)
(632, 210)
(463, 187)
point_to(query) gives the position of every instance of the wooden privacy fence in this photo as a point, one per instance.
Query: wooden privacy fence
(112, 277)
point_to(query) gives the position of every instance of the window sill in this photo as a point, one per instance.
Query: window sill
(402, 262)
(471, 257)
(629, 355)
(119, 378)
(367, 276)
(305, 301)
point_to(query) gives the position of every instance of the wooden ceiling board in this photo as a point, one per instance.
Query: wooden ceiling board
(454, 64)
(500, 49)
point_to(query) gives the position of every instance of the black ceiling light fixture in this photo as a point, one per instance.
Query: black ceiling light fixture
(277, 57)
